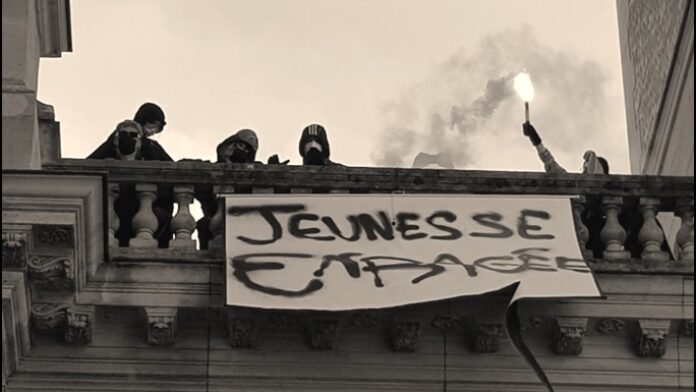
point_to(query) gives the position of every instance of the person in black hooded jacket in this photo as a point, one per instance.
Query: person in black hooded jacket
(127, 144)
(314, 146)
(151, 119)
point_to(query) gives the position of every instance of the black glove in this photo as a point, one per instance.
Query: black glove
(531, 133)
(274, 160)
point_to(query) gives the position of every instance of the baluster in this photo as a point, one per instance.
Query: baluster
(581, 230)
(145, 221)
(650, 235)
(613, 235)
(217, 224)
(114, 221)
(183, 223)
(685, 235)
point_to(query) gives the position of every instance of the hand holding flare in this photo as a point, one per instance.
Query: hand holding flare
(525, 89)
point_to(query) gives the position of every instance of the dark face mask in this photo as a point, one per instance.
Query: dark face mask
(314, 157)
(126, 143)
(240, 156)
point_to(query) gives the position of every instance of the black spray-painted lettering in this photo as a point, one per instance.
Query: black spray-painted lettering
(354, 225)
(299, 232)
(267, 212)
(523, 226)
(449, 218)
(243, 265)
(491, 220)
(577, 265)
(349, 264)
(371, 227)
(406, 264)
(404, 227)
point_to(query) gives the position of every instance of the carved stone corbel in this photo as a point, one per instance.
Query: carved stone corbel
(486, 337)
(14, 249)
(651, 338)
(161, 325)
(47, 316)
(79, 324)
(323, 333)
(242, 327)
(52, 273)
(570, 332)
(404, 335)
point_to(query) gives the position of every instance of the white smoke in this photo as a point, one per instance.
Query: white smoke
(471, 96)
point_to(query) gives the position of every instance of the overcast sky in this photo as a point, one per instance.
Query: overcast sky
(387, 78)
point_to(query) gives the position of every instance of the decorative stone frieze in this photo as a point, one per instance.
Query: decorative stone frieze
(447, 322)
(486, 337)
(52, 273)
(242, 327)
(687, 328)
(323, 333)
(531, 323)
(47, 316)
(611, 326)
(282, 320)
(79, 325)
(14, 249)
(570, 332)
(404, 335)
(365, 319)
(54, 235)
(161, 325)
(650, 338)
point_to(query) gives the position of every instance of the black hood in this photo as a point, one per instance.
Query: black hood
(318, 133)
(149, 113)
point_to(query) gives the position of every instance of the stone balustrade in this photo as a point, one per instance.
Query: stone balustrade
(615, 216)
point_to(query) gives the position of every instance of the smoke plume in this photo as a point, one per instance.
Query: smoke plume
(470, 98)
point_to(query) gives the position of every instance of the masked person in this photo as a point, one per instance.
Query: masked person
(314, 146)
(130, 141)
(150, 117)
(238, 148)
(592, 163)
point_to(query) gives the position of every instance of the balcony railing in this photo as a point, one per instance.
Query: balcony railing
(615, 215)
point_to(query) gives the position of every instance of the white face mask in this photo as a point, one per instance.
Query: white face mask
(313, 144)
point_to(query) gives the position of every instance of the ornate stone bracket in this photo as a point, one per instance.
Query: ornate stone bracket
(404, 335)
(242, 327)
(54, 235)
(486, 337)
(161, 325)
(48, 316)
(14, 249)
(650, 337)
(52, 273)
(323, 333)
(79, 324)
(611, 326)
(569, 335)
(447, 322)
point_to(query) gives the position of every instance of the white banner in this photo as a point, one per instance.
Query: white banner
(341, 252)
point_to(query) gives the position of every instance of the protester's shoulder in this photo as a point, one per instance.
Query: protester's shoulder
(105, 151)
(151, 150)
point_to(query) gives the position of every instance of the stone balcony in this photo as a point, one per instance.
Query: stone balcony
(67, 281)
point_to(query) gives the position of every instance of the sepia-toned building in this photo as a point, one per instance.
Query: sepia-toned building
(81, 313)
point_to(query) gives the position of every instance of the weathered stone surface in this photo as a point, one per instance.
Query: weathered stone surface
(486, 337)
(404, 335)
(569, 335)
(14, 249)
(161, 325)
(52, 273)
(323, 333)
(79, 325)
(650, 338)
